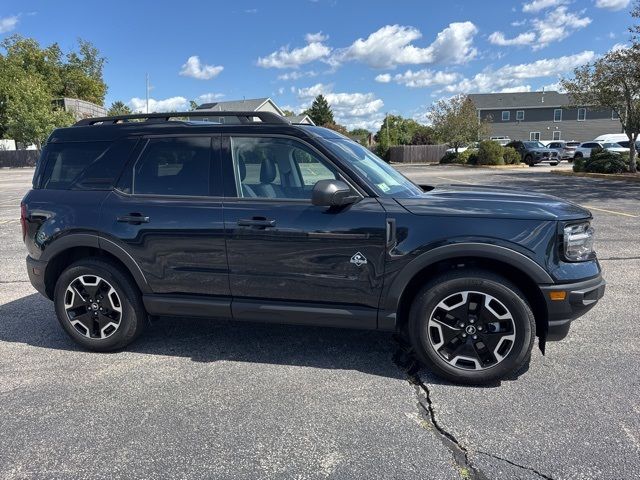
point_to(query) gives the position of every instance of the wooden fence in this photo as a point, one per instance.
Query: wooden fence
(19, 158)
(417, 153)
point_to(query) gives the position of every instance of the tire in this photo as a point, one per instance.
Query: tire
(111, 320)
(554, 164)
(504, 327)
(528, 160)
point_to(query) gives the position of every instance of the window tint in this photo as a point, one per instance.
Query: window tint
(64, 163)
(277, 168)
(173, 166)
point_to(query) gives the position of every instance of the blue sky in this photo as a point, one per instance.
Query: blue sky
(367, 57)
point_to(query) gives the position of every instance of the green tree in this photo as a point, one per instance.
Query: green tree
(320, 111)
(395, 130)
(118, 108)
(423, 135)
(288, 113)
(336, 127)
(455, 121)
(612, 82)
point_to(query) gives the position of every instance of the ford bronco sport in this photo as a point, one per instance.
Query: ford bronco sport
(245, 216)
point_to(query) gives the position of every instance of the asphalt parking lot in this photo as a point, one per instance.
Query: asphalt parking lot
(206, 399)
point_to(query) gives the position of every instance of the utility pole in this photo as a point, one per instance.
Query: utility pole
(147, 89)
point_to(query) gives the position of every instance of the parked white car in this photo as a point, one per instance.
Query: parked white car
(612, 138)
(584, 150)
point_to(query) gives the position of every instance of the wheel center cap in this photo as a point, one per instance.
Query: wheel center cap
(94, 306)
(470, 329)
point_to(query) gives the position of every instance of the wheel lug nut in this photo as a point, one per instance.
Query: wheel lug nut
(461, 325)
(479, 328)
(464, 335)
(475, 337)
(472, 321)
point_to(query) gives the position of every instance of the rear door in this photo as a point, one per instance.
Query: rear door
(288, 259)
(167, 215)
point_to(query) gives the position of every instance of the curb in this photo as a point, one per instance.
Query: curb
(496, 167)
(606, 176)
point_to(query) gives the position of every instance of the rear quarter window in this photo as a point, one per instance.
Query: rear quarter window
(83, 165)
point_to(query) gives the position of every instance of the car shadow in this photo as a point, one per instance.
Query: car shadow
(31, 320)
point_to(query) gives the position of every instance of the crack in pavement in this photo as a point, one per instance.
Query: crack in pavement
(404, 360)
(531, 469)
(618, 258)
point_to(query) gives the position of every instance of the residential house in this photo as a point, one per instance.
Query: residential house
(251, 105)
(542, 116)
(80, 108)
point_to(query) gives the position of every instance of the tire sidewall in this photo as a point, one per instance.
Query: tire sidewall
(130, 318)
(427, 301)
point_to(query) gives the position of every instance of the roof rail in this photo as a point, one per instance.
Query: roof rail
(243, 117)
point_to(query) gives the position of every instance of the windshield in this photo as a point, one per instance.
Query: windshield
(385, 180)
(534, 145)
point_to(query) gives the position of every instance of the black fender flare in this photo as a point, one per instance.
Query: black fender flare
(93, 240)
(390, 303)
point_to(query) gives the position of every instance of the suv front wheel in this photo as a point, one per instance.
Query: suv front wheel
(98, 305)
(471, 327)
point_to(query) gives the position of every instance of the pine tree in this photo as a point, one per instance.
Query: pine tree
(320, 111)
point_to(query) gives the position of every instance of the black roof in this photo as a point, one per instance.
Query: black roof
(110, 128)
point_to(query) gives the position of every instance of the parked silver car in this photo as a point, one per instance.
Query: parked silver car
(566, 150)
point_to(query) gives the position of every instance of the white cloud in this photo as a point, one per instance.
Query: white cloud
(392, 45)
(315, 37)
(8, 23)
(537, 5)
(194, 69)
(251, 11)
(354, 110)
(285, 58)
(518, 23)
(612, 4)
(619, 46)
(514, 77)
(554, 26)
(295, 75)
(498, 38)
(557, 25)
(209, 97)
(422, 78)
(383, 78)
(173, 104)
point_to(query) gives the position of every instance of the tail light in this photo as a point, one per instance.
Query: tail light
(23, 220)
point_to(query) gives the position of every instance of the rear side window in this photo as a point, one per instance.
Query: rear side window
(65, 163)
(173, 166)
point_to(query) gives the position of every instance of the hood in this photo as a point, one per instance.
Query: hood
(492, 202)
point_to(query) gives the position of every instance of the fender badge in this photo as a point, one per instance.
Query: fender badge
(358, 259)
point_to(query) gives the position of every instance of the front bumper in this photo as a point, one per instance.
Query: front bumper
(579, 299)
(35, 270)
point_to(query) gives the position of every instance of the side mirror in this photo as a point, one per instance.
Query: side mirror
(332, 193)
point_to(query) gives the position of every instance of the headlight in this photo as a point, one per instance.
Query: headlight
(578, 242)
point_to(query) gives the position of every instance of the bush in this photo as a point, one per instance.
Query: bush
(450, 157)
(510, 155)
(607, 162)
(578, 164)
(469, 156)
(490, 153)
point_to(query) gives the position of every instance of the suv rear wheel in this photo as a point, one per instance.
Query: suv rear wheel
(528, 160)
(98, 305)
(471, 327)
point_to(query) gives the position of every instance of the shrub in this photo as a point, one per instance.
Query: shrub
(510, 155)
(490, 153)
(607, 162)
(578, 164)
(449, 157)
(465, 156)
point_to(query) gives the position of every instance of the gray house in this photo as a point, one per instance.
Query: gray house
(542, 116)
(250, 105)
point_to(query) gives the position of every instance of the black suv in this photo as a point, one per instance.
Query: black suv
(533, 152)
(247, 217)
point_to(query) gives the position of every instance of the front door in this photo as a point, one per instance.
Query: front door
(167, 215)
(289, 260)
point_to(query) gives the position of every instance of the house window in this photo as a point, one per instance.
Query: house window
(556, 135)
(520, 115)
(557, 115)
(614, 115)
(534, 136)
(582, 114)
(506, 115)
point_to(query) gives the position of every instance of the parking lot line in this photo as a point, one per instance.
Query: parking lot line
(612, 211)
(455, 181)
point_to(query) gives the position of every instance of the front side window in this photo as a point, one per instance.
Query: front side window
(557, 115)
(384, 179)
(582, 114)
(506, 115)
(520, 115)
(173, 166)
(276, 167)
